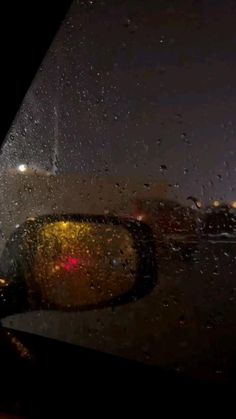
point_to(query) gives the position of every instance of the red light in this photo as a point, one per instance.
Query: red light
(70, 264)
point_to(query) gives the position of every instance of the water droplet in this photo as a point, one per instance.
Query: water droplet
(195, 201)
(218, 371)
(216, 272)
(127, 23)
(185, 138)
(182, 320)
(163, 168)
(165, 303)
(179, 118)
(185, 171)
(209, 324)
(159, 141)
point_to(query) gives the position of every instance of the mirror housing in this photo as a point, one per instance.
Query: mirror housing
(81, 262)
(13, 297)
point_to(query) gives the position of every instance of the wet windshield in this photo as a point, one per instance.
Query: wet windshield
(132, 114)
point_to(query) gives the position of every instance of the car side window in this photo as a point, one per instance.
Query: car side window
(132, 113)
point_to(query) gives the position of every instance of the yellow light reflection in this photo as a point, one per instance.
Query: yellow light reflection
(140, 217)
(216, 203)
(64, 224)
(79, 263)
(3, 282)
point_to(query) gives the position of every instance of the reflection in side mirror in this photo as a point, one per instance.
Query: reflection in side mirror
(80, 262)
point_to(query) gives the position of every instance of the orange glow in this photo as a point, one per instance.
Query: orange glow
(216, 203)
(140, 217)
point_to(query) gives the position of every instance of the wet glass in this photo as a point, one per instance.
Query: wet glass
(132, 113)
(83, 264)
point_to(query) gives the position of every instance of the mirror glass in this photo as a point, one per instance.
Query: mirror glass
(81, 264)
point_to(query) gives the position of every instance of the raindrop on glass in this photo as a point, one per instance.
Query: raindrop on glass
(185, 138)
(163, 168)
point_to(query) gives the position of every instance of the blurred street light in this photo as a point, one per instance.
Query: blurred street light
(22, 168)
(31, 169)
(140, 217)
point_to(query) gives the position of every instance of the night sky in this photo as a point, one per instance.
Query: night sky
(143, 90)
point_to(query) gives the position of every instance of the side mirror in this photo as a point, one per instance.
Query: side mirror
(75, 262)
